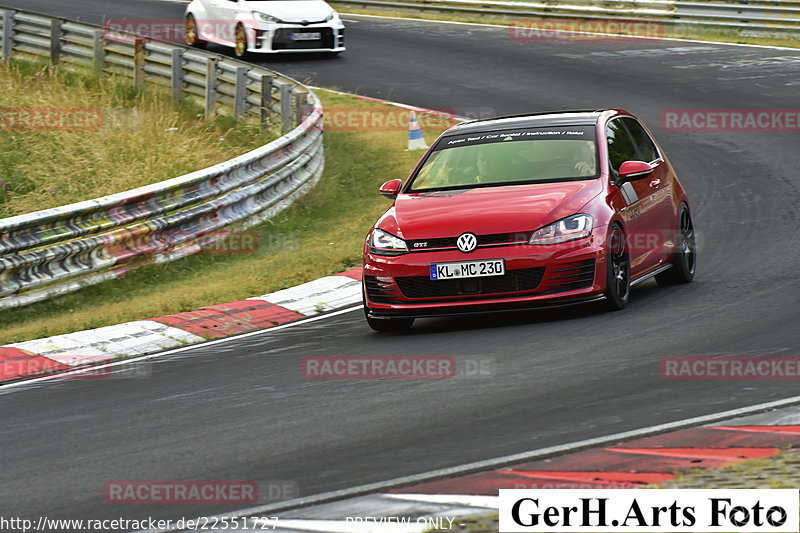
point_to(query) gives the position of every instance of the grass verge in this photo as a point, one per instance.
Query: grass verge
(109, 137)
(321, 234)
(686, 31)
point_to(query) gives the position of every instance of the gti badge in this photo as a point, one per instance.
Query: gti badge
(467, 242)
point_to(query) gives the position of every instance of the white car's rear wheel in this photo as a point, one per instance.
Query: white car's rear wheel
(240, 48)
(191, 33)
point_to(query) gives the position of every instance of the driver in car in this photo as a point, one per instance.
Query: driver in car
(585, 160)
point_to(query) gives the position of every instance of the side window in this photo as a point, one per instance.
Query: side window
(620, 146)
(646, 149)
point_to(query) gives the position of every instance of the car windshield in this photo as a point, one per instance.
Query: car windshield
(508, 158)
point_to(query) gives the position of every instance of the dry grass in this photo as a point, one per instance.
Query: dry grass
(320, 234)
(141, 139)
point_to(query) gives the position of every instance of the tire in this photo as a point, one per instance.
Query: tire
(386, 325)
(191, 35)
(618, 271)
(390, 325)
(240, 45)
(684, 260)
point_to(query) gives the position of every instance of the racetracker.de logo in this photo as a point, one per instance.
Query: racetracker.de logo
(538, 30)
(384, 119)
(730, 368)
(731, 120)
(170, 30)
(224, 242)
(387, 367)
(50, 119)
(181, 492)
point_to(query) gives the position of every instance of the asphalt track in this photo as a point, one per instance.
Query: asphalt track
(241, 410)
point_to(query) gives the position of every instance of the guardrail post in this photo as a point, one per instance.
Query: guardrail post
(8, 34)
(177, 75)
(138, 63)
(211, 87)
(266, 99)
(98, 51)
(55, 42)
(240, 92)
(286, 107)
(300, 104)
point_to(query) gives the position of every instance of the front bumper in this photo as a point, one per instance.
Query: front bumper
(536, 276)
(278, 39)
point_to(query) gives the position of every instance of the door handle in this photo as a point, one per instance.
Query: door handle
(655, 183)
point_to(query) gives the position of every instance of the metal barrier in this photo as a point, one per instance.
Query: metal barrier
(767, 16)
(59, 250)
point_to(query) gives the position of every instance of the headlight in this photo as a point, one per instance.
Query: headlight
(567, 229)
(263, 17)
(331, 16)
(383, 242)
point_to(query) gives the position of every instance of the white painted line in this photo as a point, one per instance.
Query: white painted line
(461, 500)
(616, 35)
(343, 526)
(488, 464)
(205, 344)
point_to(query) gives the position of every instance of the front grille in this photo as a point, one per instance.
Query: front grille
(483, 240)
(569, 277)
(525, 279)
(502, 238)
(283, 39)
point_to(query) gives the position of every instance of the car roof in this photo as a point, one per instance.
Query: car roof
(580, 117)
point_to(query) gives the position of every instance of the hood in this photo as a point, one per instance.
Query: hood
(514, 208)
(293, 10)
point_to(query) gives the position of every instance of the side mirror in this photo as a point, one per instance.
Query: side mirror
(633, 170)
(391, 189)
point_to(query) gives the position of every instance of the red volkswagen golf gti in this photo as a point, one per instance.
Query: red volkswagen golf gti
(528, 211)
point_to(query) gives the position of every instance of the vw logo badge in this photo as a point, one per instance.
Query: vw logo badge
(467, 242)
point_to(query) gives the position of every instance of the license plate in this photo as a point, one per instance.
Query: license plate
(468, 269)
(306, 36)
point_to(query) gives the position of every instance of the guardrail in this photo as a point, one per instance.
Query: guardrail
(768, 16)
(59, 250)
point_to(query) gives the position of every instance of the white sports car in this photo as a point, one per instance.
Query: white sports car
(265, 26)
